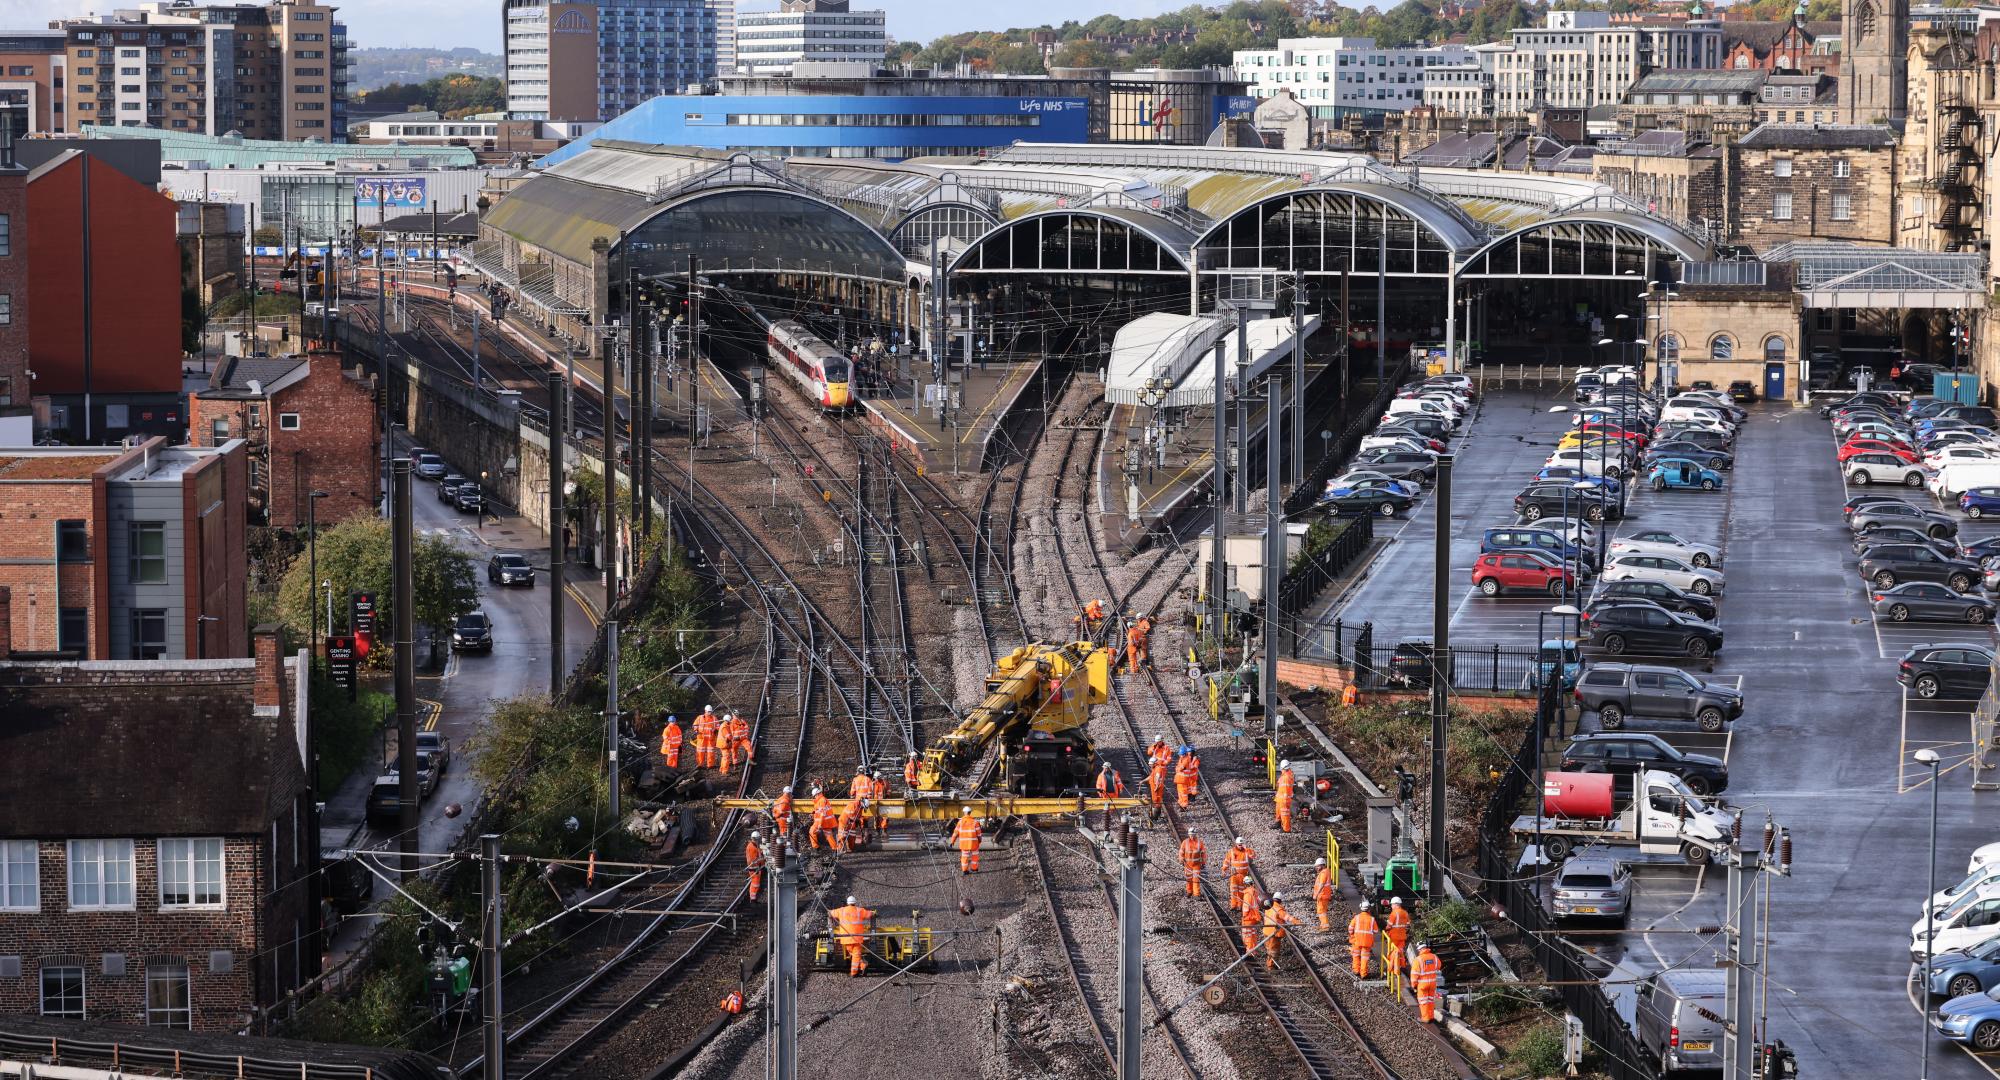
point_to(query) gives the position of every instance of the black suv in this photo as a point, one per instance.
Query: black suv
(1906, 534)
(448, 486)
(1616, 691)
(468, 499)
(1648, 629)
(1889, 565)
(1553, 498)
(1429, 427)
(473, 632)
(1661, 593)
(1949, 669)
(1627, 753)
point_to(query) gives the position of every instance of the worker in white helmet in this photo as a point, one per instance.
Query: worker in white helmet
(1323, 887)
(850, 926)
(1361, 931)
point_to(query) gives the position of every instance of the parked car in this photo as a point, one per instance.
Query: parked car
(1627, 752)
(1520, 571)
(1865, 398)
(1981, 550)
(1889, 565)
(1902, 513)
(448, 486)
(385, 802)
(1695, 604)
(1973, 1020)
(1702, 437)
(1979, 502)
(1662, 542)
(1526, 538)
(1609, 484)
(1856, 502)
(1743, 392)
(1681, 448)
(1371, 500)
(1592, 884)
(1678, 1018)
(1681, 473)
(1906, 534)
(1667, 570)
(1862, 444)
(1352, 484)
(1432, 428)
(1645, 628)
(1561, 497)
(472, 632)
(1881, 467)
(1953, 455)
(1419, 466)
(1955, 670)
(430, 466)
(1971, 919)
(510, 569)
(438, 745)
(1618, 691)
(1589, 462)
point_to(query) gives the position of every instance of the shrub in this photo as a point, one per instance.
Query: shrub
(1451, 917)
(1540, 1052)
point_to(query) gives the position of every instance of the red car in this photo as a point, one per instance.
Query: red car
(1863, 445)
(1498, 571)
(1614, 431)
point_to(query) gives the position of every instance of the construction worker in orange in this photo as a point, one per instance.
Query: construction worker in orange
(753, 863)
(1361, 930)
(824, 819)
(1194, 859)
(671, 740)
(1276, 919)
(1161, 752)
(781, 813)
(1288, 783)
(850, 924)
(1091, 617)
(1251, 919)
(1236, 864)
(732, 1002)
(912, 769)
(1396, 927)
(1156, 784)
(1350, 695)
(1323, 892)
(878, 792)
(1187, 774)
(1135, 643)
(704, 738)
(852, 819)
(739, 740)
(725, 742)
(1424, 975)
(965, 836)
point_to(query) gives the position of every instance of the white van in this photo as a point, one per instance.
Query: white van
(1945, 897)
(1971, 919)
(1959, 477)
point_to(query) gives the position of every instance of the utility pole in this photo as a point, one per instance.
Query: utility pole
(1382, 309)
(940, 349)
(1739, 996)
(783, 962)
(489, 962)
(1242, 463)
(558, 554)
(1129, 852)
(1274, 556)
(402, 529)
(632, 349)
(611, 733)
(1218, 572)
(645, 354)
(381, 361)
(1297, 473)
(608, 513)
(477, 382)
(1441, 667)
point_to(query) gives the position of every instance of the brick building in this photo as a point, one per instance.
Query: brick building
(105, 339)
(1792, 45)
(1813, 181)
(32, 82)
(168, 885)
(1671, 173)
(309, 424)
(16, 415)
(126, 554)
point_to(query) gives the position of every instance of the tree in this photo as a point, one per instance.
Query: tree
(1082, 54)
(356, 555)
(1019, 60)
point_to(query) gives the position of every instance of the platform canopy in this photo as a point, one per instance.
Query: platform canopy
(1836, 275)
(1174, 354)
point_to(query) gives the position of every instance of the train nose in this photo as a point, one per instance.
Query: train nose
(836, 395)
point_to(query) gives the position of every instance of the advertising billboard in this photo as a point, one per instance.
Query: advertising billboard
(391, 192)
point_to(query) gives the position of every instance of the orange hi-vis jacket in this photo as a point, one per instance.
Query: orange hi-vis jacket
(1323, 885)
(1253, 910)
(1398, 924)
(753, 856)
(911, 770)
(1287, 784)
(1428, 969)
(1236, 861)
(782, 809)
(1276, 918)
(1194, 853)
(671, 738)
(966, 835)
(704, 729)
(850, 923)
(1160, 754)
(1189, 768)
(1361, 930)
(1110, 785)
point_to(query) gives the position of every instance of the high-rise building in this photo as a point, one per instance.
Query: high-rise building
(1874, 71)
(771, 42)
(1339, 77)
(1580, 59)
(725, 36)
(594, 59)
(275, 70)
(32, 82)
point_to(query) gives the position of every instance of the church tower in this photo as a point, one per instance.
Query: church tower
(1874, 72)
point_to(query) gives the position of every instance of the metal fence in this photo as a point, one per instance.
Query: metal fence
(1343, 447)
(1414, 665)
(1302, 586)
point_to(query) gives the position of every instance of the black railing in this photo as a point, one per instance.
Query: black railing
(1343, 446)
(1302, 585)
(1413, 665)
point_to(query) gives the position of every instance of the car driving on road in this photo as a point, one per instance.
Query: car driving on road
(510, 569)
(472, 633)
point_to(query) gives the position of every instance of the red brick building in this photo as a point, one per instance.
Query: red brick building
(1804, 47)
(16, 416)
(310, 424)
(105, 340)
(168, 885)
(126, 554)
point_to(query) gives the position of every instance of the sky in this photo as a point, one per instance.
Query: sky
(450, 23)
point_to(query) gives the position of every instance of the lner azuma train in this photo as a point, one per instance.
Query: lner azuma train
(819, 369)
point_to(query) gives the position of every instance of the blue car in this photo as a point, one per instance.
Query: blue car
(1962, 973)
(1545, 663)
(1336, 489)
(1529, 538)
(1973, 1020)
(1683, 473)
(1577, 476)
(1979, 502)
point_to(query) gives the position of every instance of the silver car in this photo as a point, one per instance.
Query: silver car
(1592, 885)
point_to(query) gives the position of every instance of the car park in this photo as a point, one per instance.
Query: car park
(1561, 498)
(472, 632)
(1905, 534)
(1627, 752)
(1520, 571)
(1924, 600)
(1618, 691)
(1877, 515)
(1882, 468)
(1666, 569)
(1662, 542)
(1650, 630)
(1592, 884)
(1970, 920)
(1889, 565)
(510, 569)
(1695, 604)
(1947, 669)
(1370, 500)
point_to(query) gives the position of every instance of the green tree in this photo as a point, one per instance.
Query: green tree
(1082, 54)
(355, 554)
(1019, 60)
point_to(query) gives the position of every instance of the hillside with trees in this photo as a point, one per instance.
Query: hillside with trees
(453, 95)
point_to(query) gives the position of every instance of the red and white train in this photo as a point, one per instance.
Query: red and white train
(819, 369)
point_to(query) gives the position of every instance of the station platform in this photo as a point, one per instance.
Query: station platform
(988, 396)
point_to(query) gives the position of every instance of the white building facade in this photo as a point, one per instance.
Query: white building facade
(1338, 77)
(1578, 59)
(771, 42)
(725, 35)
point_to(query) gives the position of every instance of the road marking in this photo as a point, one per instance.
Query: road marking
(1700, 875)
(590, 613)
(432, 710)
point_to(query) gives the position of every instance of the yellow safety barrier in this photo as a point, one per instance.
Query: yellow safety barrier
(1333, 857)
(1271, 762)
(1392, 973)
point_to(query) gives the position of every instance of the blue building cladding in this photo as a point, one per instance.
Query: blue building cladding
(849, 126)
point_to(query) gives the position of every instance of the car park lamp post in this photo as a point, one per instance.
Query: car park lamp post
(1549, 664)
(312, 545)
(1928, 756)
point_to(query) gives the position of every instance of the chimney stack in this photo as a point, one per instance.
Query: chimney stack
(269, 692)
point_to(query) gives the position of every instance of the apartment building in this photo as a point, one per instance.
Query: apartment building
(32, 82)
(1581, 60)
(1339, 77)
(276, 70)
(596, 60)
(725, 35)
(771, 42)
(1463, 89)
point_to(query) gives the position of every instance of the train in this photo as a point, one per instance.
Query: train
(819, 369)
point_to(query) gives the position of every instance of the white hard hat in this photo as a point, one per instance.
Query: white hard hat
(1364, 905)
(968, 809)
(708, 708)
(851, 900)
(788, 791)
(1284, 764)
(878, 776)
(756, 836)
(1277, 896)
(913, 753)
(1396, 901)
(1239, 839)
(815, 789)
(1319, 862)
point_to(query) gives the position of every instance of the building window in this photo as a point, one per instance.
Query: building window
(149, 552)
(1781, 167)
(72, 541)
(6, 308)
(1840, 169)
(149, 633)
(1774, 348)
(1781, 206)
(288, 421)
(1843, 207)
(6, 235)
(62, 992)
(100, 875)
(218, 432)
(167, 995)
(20, 878)
(73, 631)
(1722, 348)
(1670, 348)
(191, 873)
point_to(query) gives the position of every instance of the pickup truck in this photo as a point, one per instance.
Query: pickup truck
(1618, 691)
(1582, 808)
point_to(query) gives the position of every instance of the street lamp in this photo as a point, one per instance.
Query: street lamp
(1928, 756)
(327, 587)
(312, 545)
(482, 500)
(1549, 664)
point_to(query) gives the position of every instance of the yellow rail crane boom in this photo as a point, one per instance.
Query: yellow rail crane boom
(1037, 704)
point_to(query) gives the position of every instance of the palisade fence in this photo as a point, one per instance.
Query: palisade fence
(1621, 1056)
(1344, 445)
(1301, 586)
(1412, 665)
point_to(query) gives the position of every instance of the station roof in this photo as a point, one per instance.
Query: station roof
(233, 151)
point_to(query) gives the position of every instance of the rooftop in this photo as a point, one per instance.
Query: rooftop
(1710, 82)
(233, 151)
(54, 462)
(234, 377)
(1819, 137)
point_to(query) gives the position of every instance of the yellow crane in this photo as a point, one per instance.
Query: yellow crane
(1037, 703)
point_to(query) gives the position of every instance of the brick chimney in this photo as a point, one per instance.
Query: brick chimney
(268, 647)
(6, 622)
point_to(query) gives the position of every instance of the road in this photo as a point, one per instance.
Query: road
(1825, 744)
